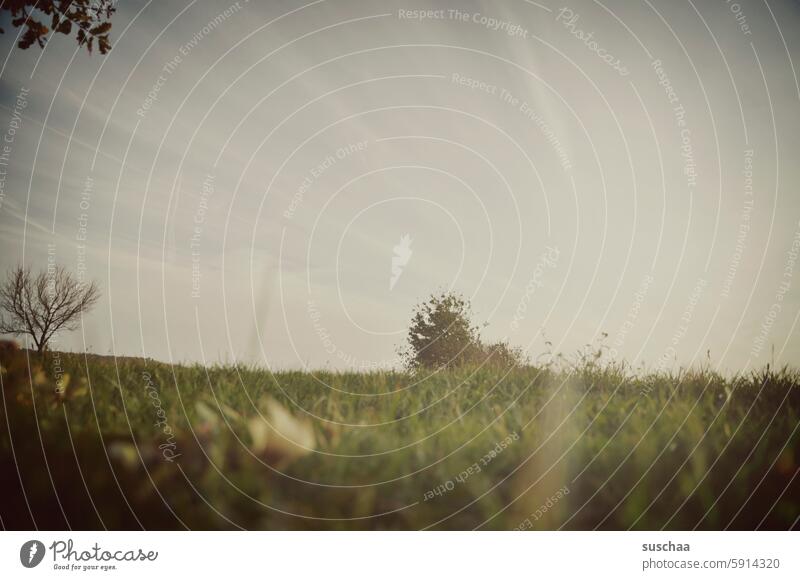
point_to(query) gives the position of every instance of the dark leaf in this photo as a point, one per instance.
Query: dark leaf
(104, 44)
(101, 28)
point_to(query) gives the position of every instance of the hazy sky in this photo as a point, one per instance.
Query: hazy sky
(239, 178)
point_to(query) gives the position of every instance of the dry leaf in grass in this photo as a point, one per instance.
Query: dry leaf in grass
(39, 377)
(124, 453)
(231, 413)
(279, 437)
(206, 413)
(208, 421)
(79, 390)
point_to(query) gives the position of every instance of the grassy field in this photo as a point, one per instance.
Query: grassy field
(94, 442)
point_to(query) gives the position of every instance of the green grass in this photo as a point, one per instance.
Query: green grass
(579, 448)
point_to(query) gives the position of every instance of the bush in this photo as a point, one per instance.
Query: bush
(502, 355)
(442, 335)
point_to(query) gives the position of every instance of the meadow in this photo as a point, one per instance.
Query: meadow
(91, 442)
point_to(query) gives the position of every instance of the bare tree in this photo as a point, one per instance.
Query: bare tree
(44, 304)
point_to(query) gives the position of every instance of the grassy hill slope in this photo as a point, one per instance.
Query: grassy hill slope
(92, 442)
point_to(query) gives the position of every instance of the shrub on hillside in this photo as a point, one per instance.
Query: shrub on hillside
(442, 335)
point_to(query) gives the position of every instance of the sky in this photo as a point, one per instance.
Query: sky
(280, 183)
